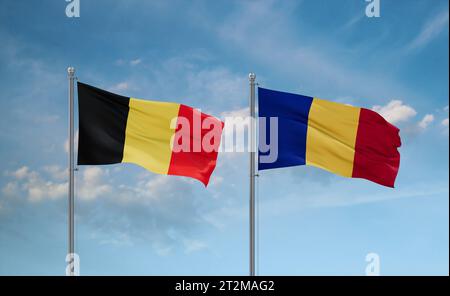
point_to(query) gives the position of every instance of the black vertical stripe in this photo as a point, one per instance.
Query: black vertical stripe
(102, 122)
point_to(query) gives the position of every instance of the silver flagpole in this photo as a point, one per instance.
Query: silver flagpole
(71, 212)
(252, 78)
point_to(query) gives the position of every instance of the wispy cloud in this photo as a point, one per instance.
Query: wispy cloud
(162, 210)
(336, 199)
(216, 87)
(75, 140)
(445, 126)
(121, 86)
(135, 62)
(56, 172)
(124, 62)
(353, 21)
(444, 122)
(193, 245)
(283, 203)
(426, 121)
(92, 183)
(50, 183)
(430, 30)
(34, 185)
(287, 50)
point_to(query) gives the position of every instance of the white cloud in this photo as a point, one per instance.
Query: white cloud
(75, 140)
(426, 121)
(162, 249)
(217, 85)
(430, 30)
(216, 181)
(21, 172)
(164, 204)
(444, 122)
(135, 62)
(162, 209)
(56, 172)
(121, 86)
(193, 245)
(34, 185)
(121, 239)
(395, 111)
(353, 21)
(92, 184)
(151, 189)
(243, 112)
(39, 190)
(53, 184)
(10, 189)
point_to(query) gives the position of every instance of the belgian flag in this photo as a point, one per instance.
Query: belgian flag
(165, 138)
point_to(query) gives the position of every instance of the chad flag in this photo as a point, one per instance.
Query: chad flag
(346, 140)
(165, 138)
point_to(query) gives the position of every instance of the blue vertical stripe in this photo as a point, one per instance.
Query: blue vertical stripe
(292, 111)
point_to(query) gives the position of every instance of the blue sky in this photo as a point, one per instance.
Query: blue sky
(130, 221)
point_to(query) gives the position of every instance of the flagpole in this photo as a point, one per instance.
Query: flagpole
(252, 78)
(71, 212)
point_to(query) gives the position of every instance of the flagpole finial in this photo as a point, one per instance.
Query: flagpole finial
(252, 76)
(71, 70)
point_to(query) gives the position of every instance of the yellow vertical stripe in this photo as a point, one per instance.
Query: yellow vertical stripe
(148, 134)
(331, 136)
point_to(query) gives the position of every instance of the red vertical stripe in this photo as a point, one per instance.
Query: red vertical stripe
(376, 155)
(199, 161)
